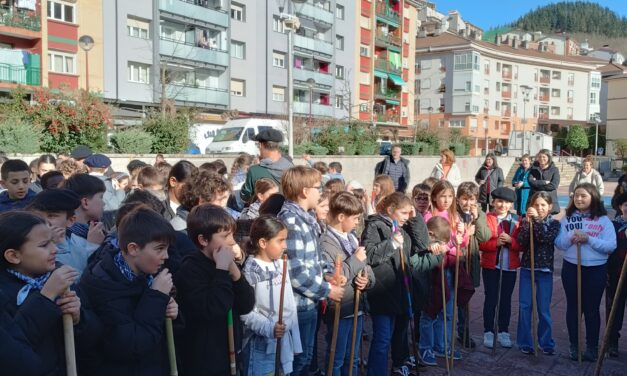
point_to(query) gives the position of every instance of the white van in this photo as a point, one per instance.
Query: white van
(201, 135)
(237, 136)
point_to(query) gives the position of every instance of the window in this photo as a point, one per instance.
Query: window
(467, 107)
(339, 72)
(238, 49)
(58, 10)
(457, 123)
(593, 98)
(138, 72)
(468, 86)
(485, 124)
(555, 93)
(137, 28)
(555, 111)
(556, 75)
(238, 88)
(238, 12)
(463, 61)
(339, 11)
(498, 67)
(475, 65)
(364, 50)
(425, 104)
(571, 79)
(363, 107)
(278, 59)
(596, 82)
(339, 42)
(497, 106)
(278, 25)
(425, 84)
(60, 62)
(425, 64)
(498, 87)
(278, 93)
(339, 101)
(569, 112)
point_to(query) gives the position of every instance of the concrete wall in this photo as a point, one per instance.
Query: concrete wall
(358, 168)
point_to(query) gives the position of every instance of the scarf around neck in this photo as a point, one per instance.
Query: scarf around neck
(31, 283)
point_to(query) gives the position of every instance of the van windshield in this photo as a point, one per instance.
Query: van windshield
(228, 134)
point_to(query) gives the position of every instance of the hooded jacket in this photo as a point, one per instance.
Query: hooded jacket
(547, 180)
(133, 317)
(267, 168)
(388, 295)
(7, 204)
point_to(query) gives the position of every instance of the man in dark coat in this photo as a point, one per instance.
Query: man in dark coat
(396, 167)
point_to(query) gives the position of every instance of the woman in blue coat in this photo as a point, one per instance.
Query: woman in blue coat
(521, 183)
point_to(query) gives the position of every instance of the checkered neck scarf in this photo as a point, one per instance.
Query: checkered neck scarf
(349, 243)
(31, 283)
(126, 270)
(80, 229)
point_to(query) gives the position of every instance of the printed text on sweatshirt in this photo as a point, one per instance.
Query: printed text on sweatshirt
(601, 239)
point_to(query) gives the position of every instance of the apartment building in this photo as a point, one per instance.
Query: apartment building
(487, 90)
(616, 111)
(170, 51)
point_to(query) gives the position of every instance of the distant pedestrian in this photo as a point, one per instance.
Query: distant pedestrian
(396, 167)
(446, 169)
(587, 174)
(489, 177)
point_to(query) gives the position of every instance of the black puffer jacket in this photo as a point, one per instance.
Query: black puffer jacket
(388, 296)
(495, 178)
(547, 180)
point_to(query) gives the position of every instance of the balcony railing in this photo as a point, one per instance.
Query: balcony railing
(17, 74)
(544, 98)
(388, 118)
(571, 82)
(545, 80)
(386, 66)
(195, 10)
(316, 109)
(386, 13)
(442, 88)
(506, 94)
(312, 44)
(569, 117)
(571, 100)
(315, 13)
(387, 93)
(204, 95)
(23, 19)
(507, 113)
(507, 75)
(191, 52)
(543, 115)
(388, 39)
(321, 78)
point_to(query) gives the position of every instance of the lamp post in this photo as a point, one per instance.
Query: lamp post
(311, 83)
(430, 111)
(526, 89)
(291, 23)
(86, 43)
(597, 120)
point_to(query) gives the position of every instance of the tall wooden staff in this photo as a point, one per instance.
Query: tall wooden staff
(355, 321)
(336, 318)
(232, 362)
(579, 303)
(442, 273)
(610, 320)
(498, 302)
(534, 304)
(277, 355)
(70, 349)
(412, 326)
(456, 285)
(169, 335)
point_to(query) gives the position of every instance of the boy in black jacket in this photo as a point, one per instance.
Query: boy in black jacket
(209, 286)
(131, 299)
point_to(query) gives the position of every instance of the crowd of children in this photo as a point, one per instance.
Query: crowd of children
(247, 283)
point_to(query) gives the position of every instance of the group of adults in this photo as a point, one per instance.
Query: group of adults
(534, 174)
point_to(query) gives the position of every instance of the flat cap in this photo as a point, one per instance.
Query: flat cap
(97, 161)
(81, 152)
(55, 199)
(505, 194)
(269, 135)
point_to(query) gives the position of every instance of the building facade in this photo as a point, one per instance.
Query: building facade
(616, 111)
(485, 91)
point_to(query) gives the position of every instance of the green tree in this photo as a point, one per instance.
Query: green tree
(170, 132)
(577, 139)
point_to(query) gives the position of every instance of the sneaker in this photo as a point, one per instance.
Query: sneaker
(457, 355)
(488, 339)
(526, 350)
(505, 340)
(428, 358)
(410, 362)
(550, 351)
(400, 371)
(573, 352)
(470, 343)
(590, 355)
(613, 351)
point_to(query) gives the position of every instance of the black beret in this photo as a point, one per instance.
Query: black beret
(55, 199)
(505, 194)
(269, 135)
(621, 199)
(81, 152)
(97, 161)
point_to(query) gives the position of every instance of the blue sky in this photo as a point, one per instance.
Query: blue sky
(489, 13)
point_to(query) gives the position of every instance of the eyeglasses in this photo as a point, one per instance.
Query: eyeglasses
(319, 188)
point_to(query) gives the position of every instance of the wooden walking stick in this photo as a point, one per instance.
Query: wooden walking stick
(579, 303)
(442, 273)
(232, 361)
(169, 335)
(70, 349)
(610, 320)
(351, 361)
(454, 327)
(277, 355)
(534, 304)
(336, 318)
(498, 302)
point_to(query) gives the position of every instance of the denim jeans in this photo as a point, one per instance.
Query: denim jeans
(400, 341)
(544, 293)
(432, 330)
(256, 361)
(593, 282)
(382, 328)
(341, 360)
(491, 291)
(307, 326)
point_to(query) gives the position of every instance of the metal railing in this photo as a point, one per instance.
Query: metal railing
(24, 19)
(386, 66)
(385, 12)
(20, 75)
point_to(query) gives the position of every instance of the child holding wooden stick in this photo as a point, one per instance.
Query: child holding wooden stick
(264, 271)
(614, 265)
(585, 223)
(545, 230)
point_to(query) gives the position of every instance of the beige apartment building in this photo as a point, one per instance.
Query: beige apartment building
(616, 111)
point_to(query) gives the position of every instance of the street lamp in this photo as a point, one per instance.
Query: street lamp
(526, 90)
(311, 83)
(86, 43)
(597, 120)
(430, 111)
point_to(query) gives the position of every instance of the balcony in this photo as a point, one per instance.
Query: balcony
(188, 51)
(316, 46)
(506, 113)
(569, 117)
(544, 116)
(386, 14)
(441, 109)
(316, 109)
(21, 75)
(571, 100)
(388, 39)
(545, 80)
(18, 18)
(388, 118)
(208, 96)
(507, 75)
(543, 98)
(571, 82)
(386, 66)
(486, 71)
(321, 78)
(442, 89)
(190, 9)
(315, 13)
(387, 94)
(506, 94)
